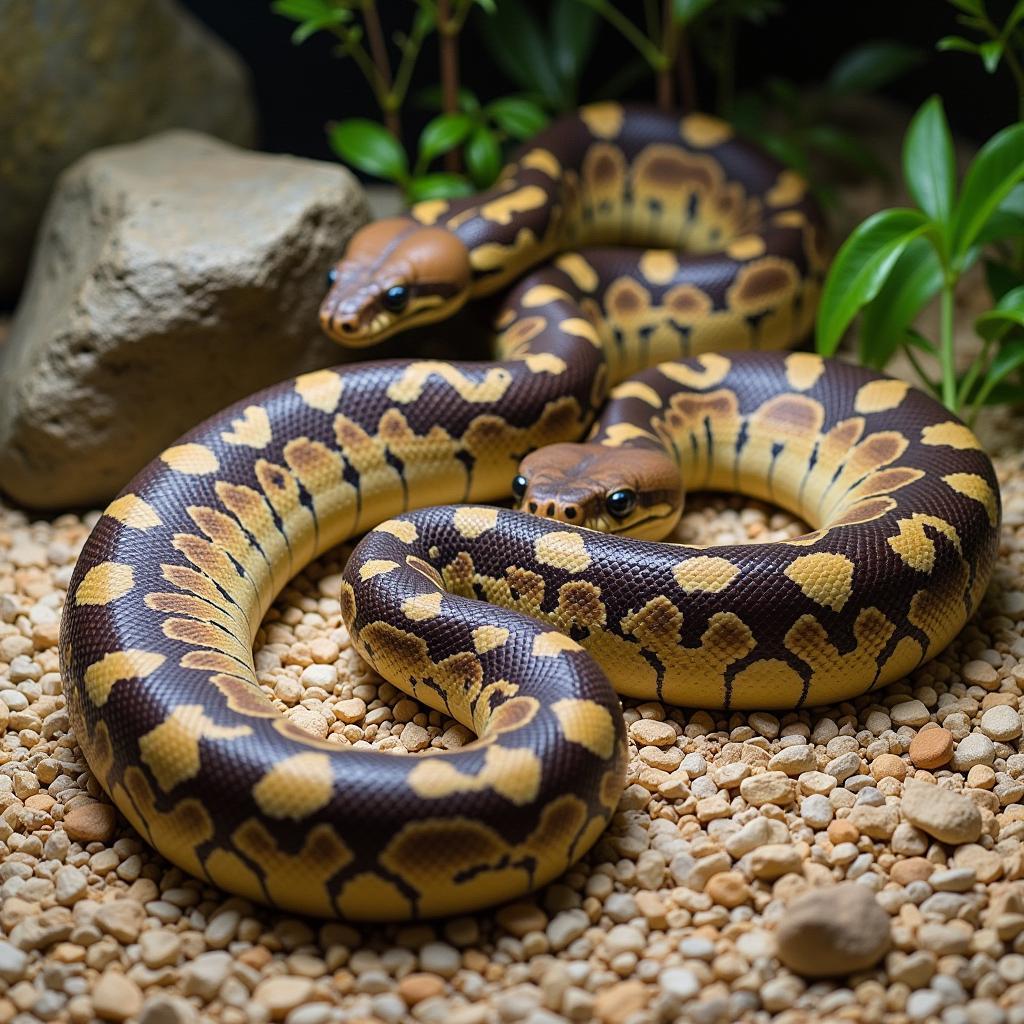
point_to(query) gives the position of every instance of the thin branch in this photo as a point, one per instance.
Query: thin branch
(618, 20)
(379, 50)
(448, 47)
(669, 39)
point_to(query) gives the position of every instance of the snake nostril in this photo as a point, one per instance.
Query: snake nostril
(533, 507)
(570, 511)
(348, 326)
(551, 508)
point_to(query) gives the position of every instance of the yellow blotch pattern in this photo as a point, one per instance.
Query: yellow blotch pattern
(548, 645)
(102, 675)
(191, 459)
(562, 550)
(514, 772)
(705, 574)
(104, 583)
(296, 787)
(131, 510)
(320, 389)
(825, 577)
(951, 434)
(422, 607)
(252, 429)
(977, 488)
(880, 395)
(472, 522)
(586, 723)
(603, 119)
(803, 370)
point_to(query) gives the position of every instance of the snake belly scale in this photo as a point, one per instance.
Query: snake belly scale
(485, 614)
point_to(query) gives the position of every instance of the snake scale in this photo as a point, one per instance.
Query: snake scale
(523, 628)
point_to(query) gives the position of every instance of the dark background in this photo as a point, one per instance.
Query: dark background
(300, 88)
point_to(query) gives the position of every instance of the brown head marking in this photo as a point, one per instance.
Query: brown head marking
(635, 491)
(395, 274)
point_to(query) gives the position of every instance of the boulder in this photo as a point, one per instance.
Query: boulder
(172, 277)
(78, 74)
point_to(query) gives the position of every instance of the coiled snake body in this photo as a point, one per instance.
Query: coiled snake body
(178, 573)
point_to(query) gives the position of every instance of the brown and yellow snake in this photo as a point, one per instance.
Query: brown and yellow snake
(523, 628)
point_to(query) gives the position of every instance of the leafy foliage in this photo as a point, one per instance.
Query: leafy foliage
(898, 261)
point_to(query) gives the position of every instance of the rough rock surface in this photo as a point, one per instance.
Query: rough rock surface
(78, 74)
(173, 276)
(834, 930)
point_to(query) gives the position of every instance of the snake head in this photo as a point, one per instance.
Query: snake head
(635, 491)
(395, 274)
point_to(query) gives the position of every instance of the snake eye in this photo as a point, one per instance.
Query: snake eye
(395, 298)
(332, 276)
(621, 502)
(519, 485)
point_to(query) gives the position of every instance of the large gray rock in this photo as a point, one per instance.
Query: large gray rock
(78, 74)
(172, 277)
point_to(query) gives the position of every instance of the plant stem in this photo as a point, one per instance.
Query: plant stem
(378, 48)
(447, 34)
(918, 368)
(946, 350)
(410, 51)
(727, 64)
(668, 49)
(684, 70)
(619, 21)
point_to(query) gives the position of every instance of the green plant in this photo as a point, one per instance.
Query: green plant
(1001, 43)
(800, 128)
(897, 261)
(378, 149)
(545, 60)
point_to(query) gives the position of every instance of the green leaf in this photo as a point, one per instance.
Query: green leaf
(442, 134)
(431, 97)
(1002, 225)
(1009, 358)
(868, 68)
(517, 44)
(990, 179)
(483, 157)
(488, 5)
(684, 11)
(929, 166)
(914, 279)
(1000, 278)
(845, 148)
(860, 269)
(573, 27)
(956, 43)
(517, 116)
(443, 185)
(370, 147)
(991, 53)
(305, 10)
(1008, 313)
(970, 6)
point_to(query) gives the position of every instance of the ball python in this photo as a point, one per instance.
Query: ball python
(173, 583)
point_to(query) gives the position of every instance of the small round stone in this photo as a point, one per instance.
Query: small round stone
(1002, 723)
(888, 766)
(116, 997)
(91, 822)
(833, 931)
(931, 748)
(419, 985)
(980, 673)
(728, 889)
(975, 748)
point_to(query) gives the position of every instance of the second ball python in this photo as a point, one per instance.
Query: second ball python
(170, 590)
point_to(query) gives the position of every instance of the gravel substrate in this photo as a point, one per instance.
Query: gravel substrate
(711, 898)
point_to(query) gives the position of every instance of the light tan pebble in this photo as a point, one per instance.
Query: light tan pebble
(617, 1003)
(414, 737)
(116, 997)
(623, 938)
(1001, 723)
(311, 721)
(888, 766)
(765, 724)
(816, 811)
(728, 889)
(980, 673)
(774, 861)
(679, 982)
(713, 807)
(666, 759)
(913, 869)
(876, 822)
(648, 733)
(121, 918)
(324, 676)
(953, 879)
(462, 931)
(952, 938)
(981, 776)
(729, 776)
(832, 931)
(280, 995)
(159, 947)
(769, 788)
(909, 712)
(781, 992)
(440, 958)
(205, 974)
(406, 710)
(168, 1009)
(816, 783)
(975, 748)
(13, 961)
(91, 822)
(949, 817)
(757, 832)
(70, 885)
(288, 691)
(986, 864)
(877, 722)
(794, 760)
(843, 830)
(913, 969)
(416, 987)
(908, 840)
(565, 927)
(350, 711)
(652, 907)
(845, 766)
(323, 650)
